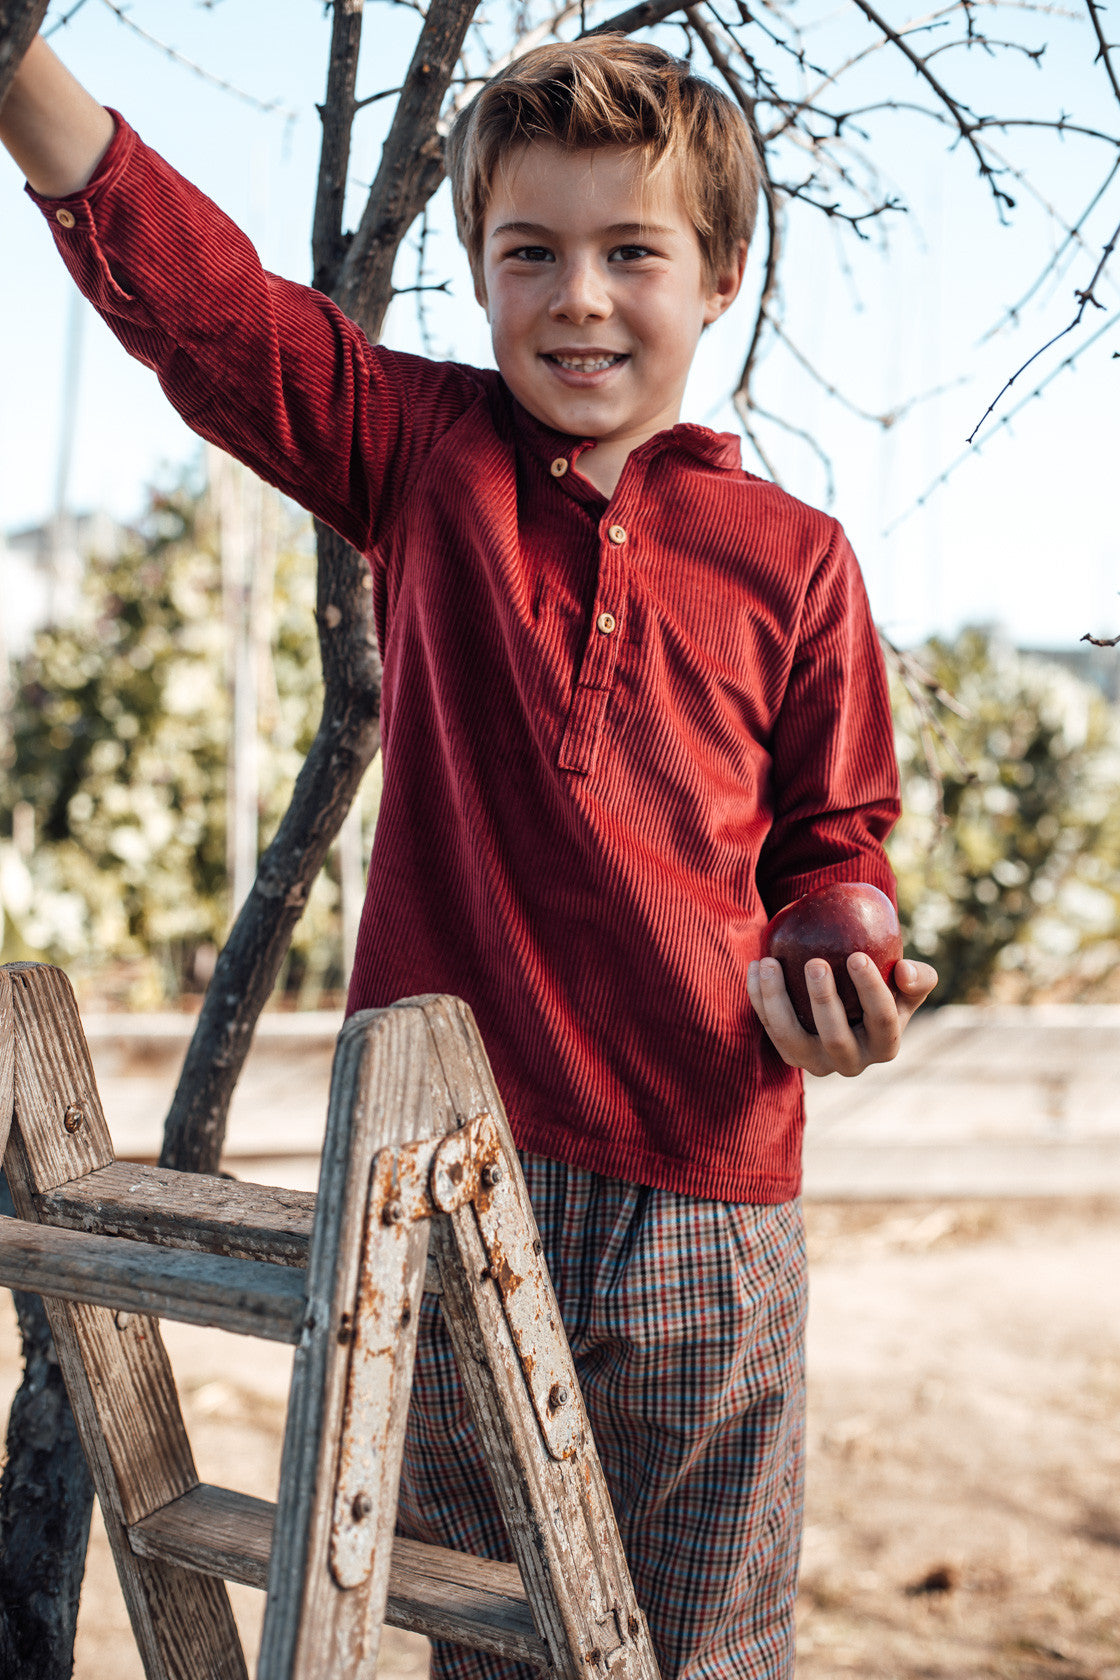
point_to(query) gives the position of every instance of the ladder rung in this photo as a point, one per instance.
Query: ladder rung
(186, 1210)
(444, 1594)
(250, 1297)
(191, 1210)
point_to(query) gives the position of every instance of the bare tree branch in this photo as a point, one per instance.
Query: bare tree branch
(328, 243)
(642, 16)
(965, 120)
(176, 57)
(1084, 299)
(411, 166)
(974, 449)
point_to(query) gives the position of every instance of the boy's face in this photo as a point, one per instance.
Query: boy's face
(596, 292)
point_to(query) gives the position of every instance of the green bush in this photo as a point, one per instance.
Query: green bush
(119, 731)
(1008, 880)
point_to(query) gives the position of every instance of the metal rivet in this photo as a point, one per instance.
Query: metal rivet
(73, 1117)
(491, 1175)
(122, 1320)
(345, 1330)
(537, 1245)
(392, 1213)
(361, 1506)
(558, 1396)
(406, 1315)
(632, 1627)
(595, 1658)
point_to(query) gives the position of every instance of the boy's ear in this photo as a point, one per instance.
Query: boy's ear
(725, 288)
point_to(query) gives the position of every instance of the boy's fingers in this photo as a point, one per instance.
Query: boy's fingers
(913, 982)
(882, 1024)
(767, 988)
(844, 1053)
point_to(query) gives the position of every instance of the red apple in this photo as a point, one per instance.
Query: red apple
(832, 923)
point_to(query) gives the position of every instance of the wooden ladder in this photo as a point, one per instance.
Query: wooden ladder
(417, 1157)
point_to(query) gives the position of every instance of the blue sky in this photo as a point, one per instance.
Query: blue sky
(1025, 533)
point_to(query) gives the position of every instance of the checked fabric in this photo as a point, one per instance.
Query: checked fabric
(686, 1320)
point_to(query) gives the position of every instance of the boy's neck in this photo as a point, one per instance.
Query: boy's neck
(602, 466)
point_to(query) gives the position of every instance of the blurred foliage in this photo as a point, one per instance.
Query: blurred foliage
(1008, 873)
(118, 743)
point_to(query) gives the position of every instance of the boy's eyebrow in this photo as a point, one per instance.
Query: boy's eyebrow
(616, 230)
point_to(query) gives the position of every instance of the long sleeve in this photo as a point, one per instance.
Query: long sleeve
(269, 370)
(835, 777)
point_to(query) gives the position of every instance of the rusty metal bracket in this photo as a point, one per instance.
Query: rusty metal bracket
(521, 1278)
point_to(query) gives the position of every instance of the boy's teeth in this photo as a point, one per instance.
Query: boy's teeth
(586, 364)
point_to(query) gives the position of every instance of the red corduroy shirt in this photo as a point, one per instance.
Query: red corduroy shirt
(617, 734)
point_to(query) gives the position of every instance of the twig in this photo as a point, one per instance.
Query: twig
(1006, 420)
(266, 105)
(1085, 298)
(967, 123)
(60, 23)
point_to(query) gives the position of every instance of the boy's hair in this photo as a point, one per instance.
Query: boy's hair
(610, 91)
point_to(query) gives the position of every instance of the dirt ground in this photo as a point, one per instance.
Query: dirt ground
(964, 1470)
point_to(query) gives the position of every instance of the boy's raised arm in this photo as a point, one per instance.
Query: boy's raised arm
(267, 369)
(56, 132)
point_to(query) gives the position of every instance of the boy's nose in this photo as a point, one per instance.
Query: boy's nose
(579, 295)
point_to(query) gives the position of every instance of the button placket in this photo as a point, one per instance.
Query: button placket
(587, 714)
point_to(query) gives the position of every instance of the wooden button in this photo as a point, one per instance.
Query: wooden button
(559, 467)
(605, 623)
(617, 534)
(65, 218)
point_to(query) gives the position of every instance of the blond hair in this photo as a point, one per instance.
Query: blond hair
(607, 90)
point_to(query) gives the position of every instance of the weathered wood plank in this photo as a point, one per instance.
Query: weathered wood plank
(558, 1511)
(117, 1373)
(7, 1059)
(193, 1210)
(446, 1595)
(381, 1094)
(187, 1210)
(54, 1080)
(248, 1297)
(214, 1530)
(470, 1601)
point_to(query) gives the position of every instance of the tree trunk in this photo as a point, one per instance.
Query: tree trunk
(46, 1500)
(19, 25)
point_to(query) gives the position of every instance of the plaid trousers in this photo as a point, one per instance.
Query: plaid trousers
(686, 1321)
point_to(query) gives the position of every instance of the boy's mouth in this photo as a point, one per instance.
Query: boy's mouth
(591, 362)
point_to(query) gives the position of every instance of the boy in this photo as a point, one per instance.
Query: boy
(633, 704)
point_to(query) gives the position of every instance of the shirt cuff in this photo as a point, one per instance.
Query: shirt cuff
(108, 171)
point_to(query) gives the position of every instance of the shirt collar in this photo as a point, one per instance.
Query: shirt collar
(718, 450)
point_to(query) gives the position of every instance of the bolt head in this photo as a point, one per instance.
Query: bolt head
(393, 1213)
(360, 1506)
(73, 1117)
(491, 1175)
(558, 1396)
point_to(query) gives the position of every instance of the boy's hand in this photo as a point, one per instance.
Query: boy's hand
(839, 1048)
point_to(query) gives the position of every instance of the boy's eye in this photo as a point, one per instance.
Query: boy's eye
(532, 253)
(631, 253)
